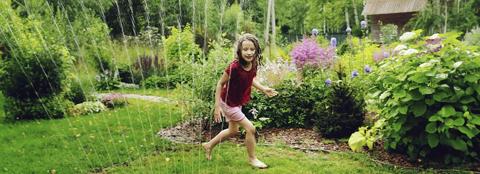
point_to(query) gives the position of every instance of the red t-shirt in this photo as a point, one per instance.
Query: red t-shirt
(239, 86)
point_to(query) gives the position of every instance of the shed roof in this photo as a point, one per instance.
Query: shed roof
(377, 7)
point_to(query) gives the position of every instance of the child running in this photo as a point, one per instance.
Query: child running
(233, 91)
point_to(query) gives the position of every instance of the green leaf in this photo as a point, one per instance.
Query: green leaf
(469, 132)
(426, 90)
(433, 140)
(447, 111)
(356, 141)
(419, 109)
(384, 95)
(439, 96)
(467, 99)
(416, 95)
(458, 144)
(459, 122)
(431, 127)
(435, 117)
(475, 120)
(403, 109)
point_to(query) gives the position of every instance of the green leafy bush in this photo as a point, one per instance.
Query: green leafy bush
(33, 75)
(366, 136)
(205, 75)
(87, 108)
(180, 47)
(157, 82)
(76, 93)
(430, 102)
(280, 109)
(107, 81)
(341, 113)
(473, 37)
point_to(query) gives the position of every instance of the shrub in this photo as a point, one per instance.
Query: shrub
(341, 113)
(32, 77)
(87, 108)
(430, 102)
(280, 109)
(114, 100)
(205, 75)
(157, 82)
(147, 66)
(180, 47)
(127, 74)
(107, 81)
(76, 93)
(473, 37)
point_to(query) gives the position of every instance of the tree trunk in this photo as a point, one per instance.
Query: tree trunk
(267, 23)
(272, 47)
(355, 12)
(446, 17)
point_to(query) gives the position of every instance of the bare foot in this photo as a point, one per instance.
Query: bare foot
(208, 151)
(258, 164)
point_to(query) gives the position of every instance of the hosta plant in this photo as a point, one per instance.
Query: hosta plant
(430, 101)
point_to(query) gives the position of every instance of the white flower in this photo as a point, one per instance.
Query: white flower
(434, 36)
(399, 48)
(407, 36)
(408, 52)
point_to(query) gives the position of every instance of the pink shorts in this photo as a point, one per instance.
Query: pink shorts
(232, 113)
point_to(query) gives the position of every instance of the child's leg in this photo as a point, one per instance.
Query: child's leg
(231, 131)
(249, 138)
(250, 143)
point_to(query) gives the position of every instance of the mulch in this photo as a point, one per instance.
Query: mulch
(200, 130)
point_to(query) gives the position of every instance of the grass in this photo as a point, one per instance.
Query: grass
(231, 158)
(86, 143)
(167, 93)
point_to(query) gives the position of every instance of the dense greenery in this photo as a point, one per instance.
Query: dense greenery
(430, 102)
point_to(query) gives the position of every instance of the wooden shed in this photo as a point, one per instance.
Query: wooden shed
(397, 12)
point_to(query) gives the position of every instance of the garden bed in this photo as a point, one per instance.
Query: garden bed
(297, 138)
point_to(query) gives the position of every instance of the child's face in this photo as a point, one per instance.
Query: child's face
(248, 51)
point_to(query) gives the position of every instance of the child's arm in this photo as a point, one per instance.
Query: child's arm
(268, 91)
(217, 113)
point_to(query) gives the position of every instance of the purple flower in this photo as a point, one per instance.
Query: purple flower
(354, 73)
(367, 69)
(308, 52)
(314, 32)
(348, 30)
(386, 54)
(378, 56)
(328, 82)
(363, 24)
(333, 42)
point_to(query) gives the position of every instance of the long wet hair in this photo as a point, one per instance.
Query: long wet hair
(258, 50)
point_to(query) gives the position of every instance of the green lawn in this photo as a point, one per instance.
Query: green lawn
(86, 143)
(124, 141)
(231, 158)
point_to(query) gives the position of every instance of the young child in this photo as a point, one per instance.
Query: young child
(233, 91)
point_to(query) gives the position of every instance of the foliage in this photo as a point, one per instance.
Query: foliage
(389, 33)
(107, 81)
(76, 94)
(180, 48)
(157, 82)
(341, 113)
(279, 109)
(473, 37)
(430, 100)
(114, 100)
(366, 136)
(88, 107)
(206, 74)
(35, 65)
(461, 17)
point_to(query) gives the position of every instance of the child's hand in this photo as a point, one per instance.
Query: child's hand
(270, 92)
(217, 114)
